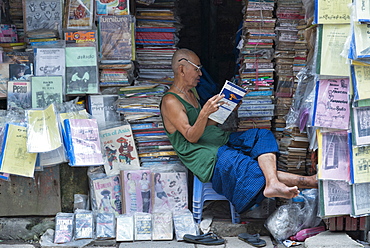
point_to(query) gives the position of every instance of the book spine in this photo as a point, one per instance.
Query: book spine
(315, 103)
(68, 142)
(255, 113)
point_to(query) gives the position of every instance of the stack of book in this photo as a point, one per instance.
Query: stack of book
(154, 62)
(156, 39)
(117, 49)
(257, 70)
(139, 104)
(153, 145)
(16, 15)
(41, 37)
(293, 147)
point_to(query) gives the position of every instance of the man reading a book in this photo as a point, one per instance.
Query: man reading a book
(240, 165)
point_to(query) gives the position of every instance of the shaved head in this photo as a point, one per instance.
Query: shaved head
(179, 54)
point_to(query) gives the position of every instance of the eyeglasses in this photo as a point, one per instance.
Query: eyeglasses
(199, 67)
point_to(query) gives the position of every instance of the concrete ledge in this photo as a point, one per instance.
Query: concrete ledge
(329, 239)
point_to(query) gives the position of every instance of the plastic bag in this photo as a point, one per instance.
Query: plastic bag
(281, 225)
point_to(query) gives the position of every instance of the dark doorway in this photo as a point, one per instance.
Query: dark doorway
(209, 28)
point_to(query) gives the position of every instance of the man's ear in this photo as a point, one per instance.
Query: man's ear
(181, 70)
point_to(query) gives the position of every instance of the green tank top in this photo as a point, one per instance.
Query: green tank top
(200, 157)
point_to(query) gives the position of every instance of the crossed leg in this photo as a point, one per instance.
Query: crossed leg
(282, 184)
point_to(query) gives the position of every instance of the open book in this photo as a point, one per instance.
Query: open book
(233, 95)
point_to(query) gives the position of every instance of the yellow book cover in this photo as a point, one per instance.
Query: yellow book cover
(359, 164)
(43, 130)
(15, 159)
(331, 42)
(332, 12)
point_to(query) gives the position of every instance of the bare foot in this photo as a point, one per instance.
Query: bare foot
(280, 190)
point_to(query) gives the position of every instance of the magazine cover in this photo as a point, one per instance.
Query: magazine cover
(112, 7)
(107, 195)
(169, 191)
(115, 38)
(79, 14)
(42, 14)
(136, 187)
(119, 149)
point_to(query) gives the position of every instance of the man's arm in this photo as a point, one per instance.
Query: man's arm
(175, 118)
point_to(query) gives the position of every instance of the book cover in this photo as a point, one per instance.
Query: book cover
(169, 191)
(327, 12)
(79, 14)
(136, 190)
(360, 170)
(53, 157)
(20, 71)
(63, 228)
(103, 108)
(4, 78)
(19, 95)
(360, 199)
(112, 7)
(83, 142)
(107, 195)
(362, 9)
(105, 226)
(83, 224)
(14, 157)
(46, 90)
(119, 149)
(162, 226)
(183, 222)
(143, 226)
(360, 82)
(81, 70)
(43, 133)
(8, 33)
(4, 176)
(333, 157)
(80, 36)
(360, 125)
(115, 37)
(334, 198)
(233, 95)
(360, 41)
(125, 227)
(42, 14)
(49, 61)
(331, 40)
(331, 105)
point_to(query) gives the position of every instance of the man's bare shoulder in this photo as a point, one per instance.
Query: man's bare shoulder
(169, 99)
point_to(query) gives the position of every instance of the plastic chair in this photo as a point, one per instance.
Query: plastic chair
(203, 192)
